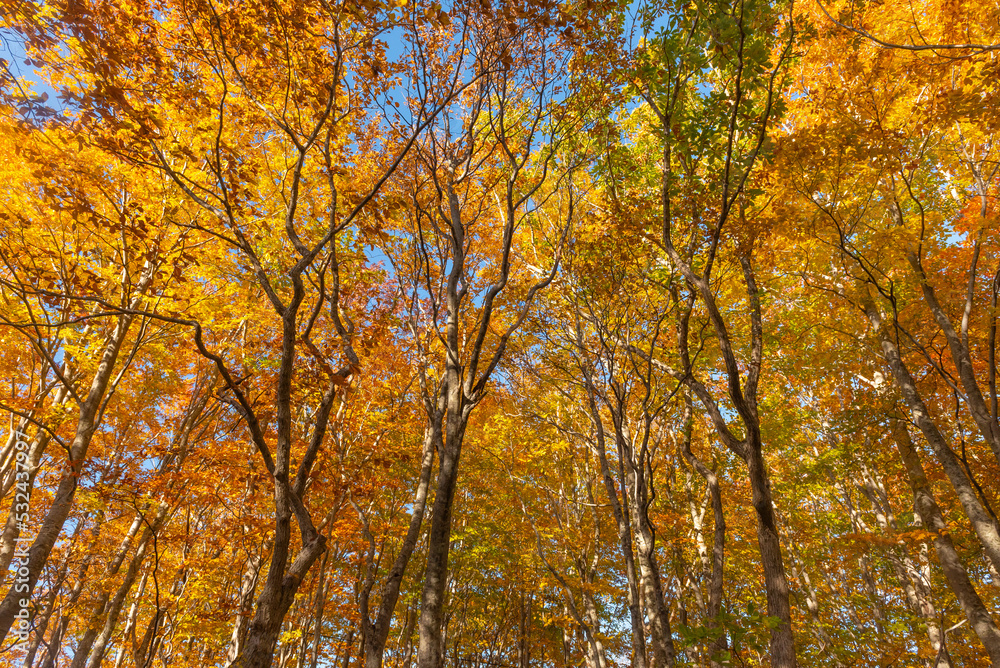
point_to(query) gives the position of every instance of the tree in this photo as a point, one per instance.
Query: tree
(675, 322)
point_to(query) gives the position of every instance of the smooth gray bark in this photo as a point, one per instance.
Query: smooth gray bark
(984, 525)
(958, 578)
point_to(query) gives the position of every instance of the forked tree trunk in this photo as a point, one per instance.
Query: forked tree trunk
(275, 599)
(742, 391)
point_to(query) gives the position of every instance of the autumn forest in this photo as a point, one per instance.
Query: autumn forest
(499, 333)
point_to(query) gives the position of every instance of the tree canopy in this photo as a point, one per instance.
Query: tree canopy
(499, 333)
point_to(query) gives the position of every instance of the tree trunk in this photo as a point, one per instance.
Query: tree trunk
(983, 524)
(769, 543)
(662, 654)
(113, 610)
(275, 599)
(915, 586)
(429, 651)
(743, 394)
(377, 633)
(624, 531)
(958, 578)
(958, 346)
(22, 588)
(12, 529)
(248, 587)
(133, 615)
(718, 560)
(43, 617)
